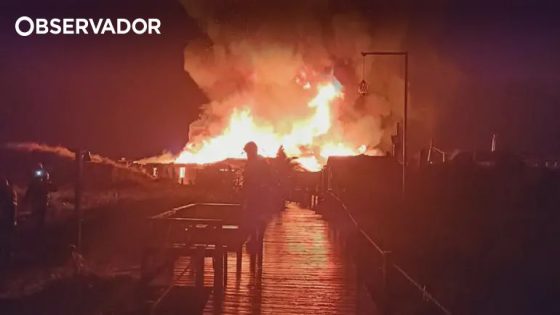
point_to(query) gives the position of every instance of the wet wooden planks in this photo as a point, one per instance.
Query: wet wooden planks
(303, 271)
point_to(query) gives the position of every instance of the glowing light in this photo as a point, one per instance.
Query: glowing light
(336, 149)
(309, 163)
(310, 139)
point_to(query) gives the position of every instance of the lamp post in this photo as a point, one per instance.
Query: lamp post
(363, 90)
(81, 157)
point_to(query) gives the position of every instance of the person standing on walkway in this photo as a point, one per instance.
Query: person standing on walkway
(256, 195)
(37, 196)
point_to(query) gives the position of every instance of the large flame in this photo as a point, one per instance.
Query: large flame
(310, 139)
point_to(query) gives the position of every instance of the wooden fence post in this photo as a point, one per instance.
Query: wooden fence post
(219, 272)
(199, 266)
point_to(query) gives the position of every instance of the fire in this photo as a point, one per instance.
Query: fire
(311, 139)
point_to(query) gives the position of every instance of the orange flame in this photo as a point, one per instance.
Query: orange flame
(310, 139)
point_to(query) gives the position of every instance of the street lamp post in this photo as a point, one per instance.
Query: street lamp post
(81, 157)
(363, 87)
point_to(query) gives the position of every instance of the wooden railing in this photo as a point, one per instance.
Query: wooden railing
(391, 287)
(165, 292)
(195, 230)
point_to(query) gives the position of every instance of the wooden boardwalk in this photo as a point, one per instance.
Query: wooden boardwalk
(303, 271)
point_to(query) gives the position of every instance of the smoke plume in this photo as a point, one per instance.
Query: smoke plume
(62, 152)
(254, 52)
(38, 147)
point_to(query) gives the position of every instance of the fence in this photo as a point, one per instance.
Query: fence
(393, 289)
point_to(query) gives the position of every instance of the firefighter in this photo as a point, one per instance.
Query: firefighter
(37, 195)
(8, 218)
(256, 194)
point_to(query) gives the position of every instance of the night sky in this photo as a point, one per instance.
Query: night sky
(117, 95)
(510, 64)
(129, 96)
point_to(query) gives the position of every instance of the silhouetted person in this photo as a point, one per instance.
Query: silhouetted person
(256, 194)
(37, 195)
(283, 168)
(8, 218)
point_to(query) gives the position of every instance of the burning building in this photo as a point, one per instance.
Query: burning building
(192, 173)
(291, 86)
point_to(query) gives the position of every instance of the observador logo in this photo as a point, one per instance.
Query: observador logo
(26, 26)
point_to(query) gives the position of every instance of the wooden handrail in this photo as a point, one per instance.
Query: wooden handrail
(357, 226)
(425, 294)
(168, 289)
(173, 211)
(194, 220)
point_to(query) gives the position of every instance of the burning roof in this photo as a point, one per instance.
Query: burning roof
(278, 85)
